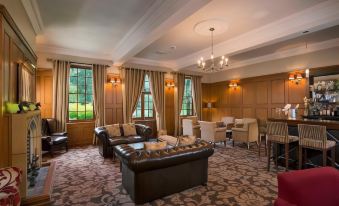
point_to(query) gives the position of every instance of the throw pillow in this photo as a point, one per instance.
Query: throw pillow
(113, 130)
(187, 140)
(151, 146)
(129, 129)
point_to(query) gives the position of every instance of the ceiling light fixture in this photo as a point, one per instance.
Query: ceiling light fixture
(223, 63)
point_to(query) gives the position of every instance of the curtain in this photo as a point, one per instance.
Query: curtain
(26, 84)
(197, 95)
(179, 81)
(99, 80)
(132, 84)
(157, 80)
(60, 93)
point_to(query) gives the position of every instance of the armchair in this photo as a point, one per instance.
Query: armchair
(190, 128)
(52, 140)
(228, 123)
(210, 132)
(247, 133)
(10, 178)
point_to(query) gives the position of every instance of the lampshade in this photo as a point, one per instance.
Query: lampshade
(209, 105)
(299, 76)
(291, 77)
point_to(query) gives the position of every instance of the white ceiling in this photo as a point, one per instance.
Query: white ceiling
(161, 32)
(241, 16)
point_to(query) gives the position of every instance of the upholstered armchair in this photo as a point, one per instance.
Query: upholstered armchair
(229, 124)
(247, 132)
(210, 132)
(10, 179)
(52, 140)
(190, 128)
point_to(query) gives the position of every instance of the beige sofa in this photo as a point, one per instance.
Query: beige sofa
(210, 132)
(246, 131)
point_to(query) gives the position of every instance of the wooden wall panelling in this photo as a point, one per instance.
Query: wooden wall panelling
(80, 133)
(278, 91)
(113, 104)
(169, 110)
(254, 97)
(44, 91)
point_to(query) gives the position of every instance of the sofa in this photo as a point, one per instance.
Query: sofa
(149, 175)
(309, 187)
(246, 130)
(106, 142)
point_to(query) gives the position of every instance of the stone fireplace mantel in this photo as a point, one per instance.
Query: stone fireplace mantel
(24, 137)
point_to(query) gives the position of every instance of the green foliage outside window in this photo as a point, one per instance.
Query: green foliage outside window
(187, 102)
(145, 106)
(80, 99)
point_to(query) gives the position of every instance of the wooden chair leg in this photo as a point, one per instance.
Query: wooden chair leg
(324, 157)
(233, 142)
(268, 155)
(66, 145)
(286, 156)
(333, 156)
(300, 156)
(225, 143)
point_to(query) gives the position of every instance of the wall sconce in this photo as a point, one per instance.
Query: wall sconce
(169, 83)
(296, 77)
(115, 80)
(233, 85)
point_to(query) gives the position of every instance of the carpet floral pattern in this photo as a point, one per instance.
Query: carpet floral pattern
(236, 177)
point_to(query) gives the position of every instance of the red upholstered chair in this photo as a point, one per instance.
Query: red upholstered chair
(310, 187)
(9, 186)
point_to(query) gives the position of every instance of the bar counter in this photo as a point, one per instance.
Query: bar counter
(332, 128)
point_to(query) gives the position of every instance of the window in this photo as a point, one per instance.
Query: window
(80, 99)
(145, 107)
(187, 102)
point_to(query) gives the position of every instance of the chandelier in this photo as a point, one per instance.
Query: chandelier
(222, 64)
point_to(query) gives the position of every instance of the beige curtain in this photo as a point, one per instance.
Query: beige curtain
(197, 95)
(179, 81)
(26, 84)
(157, 80)
(99, 80)
(132, 84)
(60, 93)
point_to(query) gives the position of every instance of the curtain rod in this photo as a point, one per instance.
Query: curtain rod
(72, 62)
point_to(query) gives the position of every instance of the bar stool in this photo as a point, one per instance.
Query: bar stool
(315, 137)
(277, 132)
(262, 133)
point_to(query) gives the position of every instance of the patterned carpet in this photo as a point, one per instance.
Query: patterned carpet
(236, 177)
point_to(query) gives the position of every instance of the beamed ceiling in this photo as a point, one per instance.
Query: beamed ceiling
(163, 33)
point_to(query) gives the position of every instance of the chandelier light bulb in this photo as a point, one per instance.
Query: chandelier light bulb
(223, 57)
(212, 56)
(199, 62)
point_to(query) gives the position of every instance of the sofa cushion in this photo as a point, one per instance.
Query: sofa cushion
(129, 129)
(113, 130)
(152, 146)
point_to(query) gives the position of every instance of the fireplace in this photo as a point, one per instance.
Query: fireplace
(24, 131)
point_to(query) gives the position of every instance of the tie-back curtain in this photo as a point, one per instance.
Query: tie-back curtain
(197, 95)
(99, 80)
(179, 80)
(157, 80)
(60, 93)
(132, 84)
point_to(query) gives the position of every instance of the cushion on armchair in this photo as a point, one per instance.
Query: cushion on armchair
(9, 186)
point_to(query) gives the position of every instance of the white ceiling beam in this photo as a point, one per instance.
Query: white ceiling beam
(161, 17)
(33, 13)
(320, 16)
